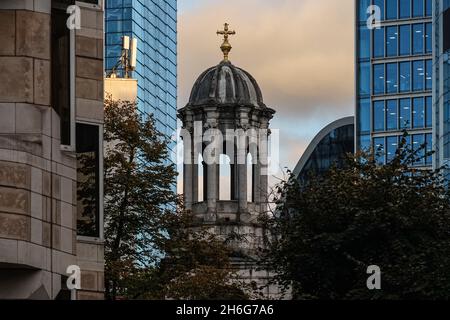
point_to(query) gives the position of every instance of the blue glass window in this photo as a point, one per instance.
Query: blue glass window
(378, 78)
(378, 42)
(391, 41)
(364, 43)
(378, 116)
(428, 75)
(363, 6)
(428, 37)
(364, 78)
(418, 38)
(364, 115)
(405, 76)
(391, 147)
(429, 112)
(418, 113)
(380, 3)
(364, 142)
(379, 150)
(429, 148)
(418, 141)
(391, 9)
(391, 78)
(405, 113)
(418, 75)
(405, 9)
(418, 8)
(392, 114)
(428, 7)
(405, 40)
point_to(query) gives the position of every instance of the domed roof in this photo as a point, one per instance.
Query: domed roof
(226, 84)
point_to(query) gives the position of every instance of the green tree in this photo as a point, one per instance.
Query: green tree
(326, 233)
(138, 192)
(197, 264)
(153, 250)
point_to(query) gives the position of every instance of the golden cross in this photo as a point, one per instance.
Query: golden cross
(226, 46)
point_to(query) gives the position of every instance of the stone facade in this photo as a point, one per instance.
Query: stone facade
(38, 178)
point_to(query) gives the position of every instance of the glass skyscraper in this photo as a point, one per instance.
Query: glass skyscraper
(154, 24)
(330, 147)
(441, 89)
(394, 82)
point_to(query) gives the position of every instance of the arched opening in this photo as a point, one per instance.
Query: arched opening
(201, 169)
(250, 177)
(225, 178)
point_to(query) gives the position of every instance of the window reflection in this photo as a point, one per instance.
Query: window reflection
(330, 150)
(405, 76)
(391, 41)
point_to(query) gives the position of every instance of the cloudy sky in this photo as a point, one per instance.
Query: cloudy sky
(299, 51)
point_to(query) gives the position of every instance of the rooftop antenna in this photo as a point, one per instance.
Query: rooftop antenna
(128, 59)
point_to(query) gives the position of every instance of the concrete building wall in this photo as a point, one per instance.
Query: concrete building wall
(38, 178)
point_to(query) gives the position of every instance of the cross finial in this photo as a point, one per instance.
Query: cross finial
(226, 46)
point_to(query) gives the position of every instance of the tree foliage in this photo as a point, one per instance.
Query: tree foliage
(152, 250)
(138, 190)
(329, 231)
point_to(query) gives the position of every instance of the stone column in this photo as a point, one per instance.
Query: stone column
(195, 179)
(242, 174)
(263, 172)
(188, 172)
(212, 184)
(257, 182)
(211, 188)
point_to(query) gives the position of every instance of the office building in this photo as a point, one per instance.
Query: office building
(441, 82)
(394, 82)
(329, 147)
(154, 24)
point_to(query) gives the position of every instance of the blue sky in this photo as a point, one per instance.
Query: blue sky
(300, 52)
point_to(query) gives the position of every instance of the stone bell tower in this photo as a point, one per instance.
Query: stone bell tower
(227, 118)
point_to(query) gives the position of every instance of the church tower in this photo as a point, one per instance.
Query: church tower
(225, 134)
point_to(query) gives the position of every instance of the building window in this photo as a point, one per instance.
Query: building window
(88, 180)
(364, 142)
(391, 146)
(429, 112)
(428, 37)
(418, 142)
(428, 8)
(378, 116)
(61, 74)
(363, 6)
(391, 78)
(405, 9)
(379, 150)
(392, 114)
(418, 37)
(364, 115)
(418, 75)
(405, 76)
(391, 9)
(378, 79)
(429, 148)
(418, 8)
(405, 113)
(428, 75)
(378, 43)
(364, 78)
(405, 40)
(391, 41)
(418, 113)
(364, 43)
(380, 3)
